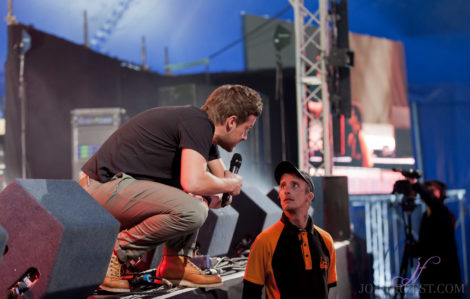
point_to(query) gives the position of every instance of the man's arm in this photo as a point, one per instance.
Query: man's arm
(255, 272)
(217, 167)
(251, 290)
(197, 180)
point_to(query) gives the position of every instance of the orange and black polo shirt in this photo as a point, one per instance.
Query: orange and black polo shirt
(293, 263)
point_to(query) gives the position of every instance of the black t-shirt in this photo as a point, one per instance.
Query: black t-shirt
(149, 145)
(437, 239)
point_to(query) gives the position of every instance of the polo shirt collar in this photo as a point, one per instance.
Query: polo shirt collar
(290, 227)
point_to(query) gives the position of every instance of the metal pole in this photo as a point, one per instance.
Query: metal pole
(10, 18)
(85, 29)
(144, 54)
(280, 98)
(298, 30)
(324, 42)
(417, 138)
(167, 62)
(22, 96)
(461, 197)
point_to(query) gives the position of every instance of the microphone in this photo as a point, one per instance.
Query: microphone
(235, 164)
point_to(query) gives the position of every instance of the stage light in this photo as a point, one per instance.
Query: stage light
(281, 37)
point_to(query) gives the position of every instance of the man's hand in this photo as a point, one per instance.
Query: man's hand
(238, 182)
(201, 198)
(215, 200)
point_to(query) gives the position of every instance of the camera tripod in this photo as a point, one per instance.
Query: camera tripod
(408, 207)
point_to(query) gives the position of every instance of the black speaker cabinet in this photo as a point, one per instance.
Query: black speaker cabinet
(256, 213)
(57, 229)
(331, 206)
(216, 234)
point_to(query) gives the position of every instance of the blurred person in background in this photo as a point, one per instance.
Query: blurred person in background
(437, 247)
(356, 143)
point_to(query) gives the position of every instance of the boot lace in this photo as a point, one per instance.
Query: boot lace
(192, 265)
(114, 269)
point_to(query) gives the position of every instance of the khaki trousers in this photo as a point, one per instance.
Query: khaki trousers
(150, 214)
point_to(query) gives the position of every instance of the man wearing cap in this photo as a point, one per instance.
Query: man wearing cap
(293, 258)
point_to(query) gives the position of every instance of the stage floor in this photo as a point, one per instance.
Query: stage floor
(232, 288)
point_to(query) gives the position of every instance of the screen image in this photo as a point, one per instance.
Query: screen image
(377, 134)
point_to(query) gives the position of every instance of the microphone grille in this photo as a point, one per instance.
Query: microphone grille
(237, 157)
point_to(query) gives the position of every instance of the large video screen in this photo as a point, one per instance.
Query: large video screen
(378, 132)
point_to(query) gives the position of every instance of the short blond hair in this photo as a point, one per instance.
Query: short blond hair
(228, 100)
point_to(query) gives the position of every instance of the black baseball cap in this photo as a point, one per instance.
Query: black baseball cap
(288, 167)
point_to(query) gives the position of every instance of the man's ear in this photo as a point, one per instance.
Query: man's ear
(310, 196)
(231, 123)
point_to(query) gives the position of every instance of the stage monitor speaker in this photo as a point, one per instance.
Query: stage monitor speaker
(331, 206)
(3, 242)
(216, 234)
(256, 213)
(57, 229)
(274, 195)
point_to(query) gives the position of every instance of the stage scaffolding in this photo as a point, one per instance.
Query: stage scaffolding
(381, 225)
(311, 82)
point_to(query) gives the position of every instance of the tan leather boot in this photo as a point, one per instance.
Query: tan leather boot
(113, 282)
(180, 271)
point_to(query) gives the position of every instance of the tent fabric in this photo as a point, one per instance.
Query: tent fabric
(443, 126)
(444, 131)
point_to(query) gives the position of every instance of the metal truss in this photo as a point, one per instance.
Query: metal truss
(101, 36)
(382, 226)
(311, 37)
